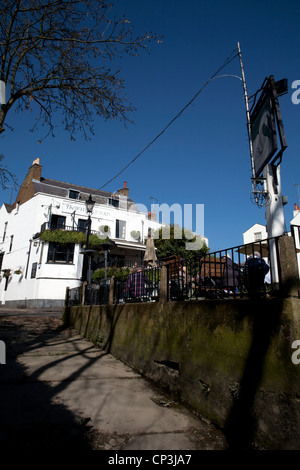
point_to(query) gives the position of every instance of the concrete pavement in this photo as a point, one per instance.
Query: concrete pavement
(60, 391)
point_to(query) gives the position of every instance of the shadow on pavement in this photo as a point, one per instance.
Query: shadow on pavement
(30, 416)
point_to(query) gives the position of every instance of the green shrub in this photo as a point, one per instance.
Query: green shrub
(70, 236)
(120, 274)
(153, 275)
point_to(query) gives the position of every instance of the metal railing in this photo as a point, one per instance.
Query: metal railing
(94, 294)
(244, 270)
(62, 226)
(74, 296)
(142, 285)
(249, 269)
(97, 294)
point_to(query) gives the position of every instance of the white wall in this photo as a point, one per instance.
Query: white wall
(52, 279)
(249, 235)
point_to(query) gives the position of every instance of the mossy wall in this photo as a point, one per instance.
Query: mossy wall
(228, 360)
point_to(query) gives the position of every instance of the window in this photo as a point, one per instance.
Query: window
(4, 232)
(11, 242)
(257, 236)
(74, 194)
(82, 225)
(58, 221)
(60, 253)
(120, 229)
(33, 270)
(113, 202)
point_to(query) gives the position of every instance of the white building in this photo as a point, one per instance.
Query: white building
(255, 233)
(259, 232)
(35, 272)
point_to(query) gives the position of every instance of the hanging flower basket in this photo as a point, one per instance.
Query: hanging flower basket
(135, 234)
(104, 228)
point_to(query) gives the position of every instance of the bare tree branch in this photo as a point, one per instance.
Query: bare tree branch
(6, 176)
(58, 55)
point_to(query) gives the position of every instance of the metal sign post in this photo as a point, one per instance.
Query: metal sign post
(248, 123)
(265, 162)
(274, 216)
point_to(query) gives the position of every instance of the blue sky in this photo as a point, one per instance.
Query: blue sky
(203, 157)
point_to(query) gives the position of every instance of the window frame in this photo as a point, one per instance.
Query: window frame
(257, 236)
(11, 243)
(4, 231)
(114, 202)
(55, 250)
(74, 191)
(82, 225)
(120, 229)
(33, 270)
(56, 225)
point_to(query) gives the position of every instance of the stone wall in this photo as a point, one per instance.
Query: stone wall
(227, 360)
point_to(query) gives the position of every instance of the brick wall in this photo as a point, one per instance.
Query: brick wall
(26, 191)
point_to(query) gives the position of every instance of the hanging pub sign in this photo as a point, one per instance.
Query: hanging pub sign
(264, 117)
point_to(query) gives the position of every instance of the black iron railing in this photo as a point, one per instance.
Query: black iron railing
(140, 286)
(94, 294)
(244, 270)
(248, 269)
(74, 296)
(97, 294)
(62, 226)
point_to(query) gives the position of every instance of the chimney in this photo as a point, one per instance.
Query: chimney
(152, 216)
(296, 210)
(36, 169)
(26, 191)
(124, 191)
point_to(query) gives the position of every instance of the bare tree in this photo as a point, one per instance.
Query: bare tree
(57, 55)
(6, 176)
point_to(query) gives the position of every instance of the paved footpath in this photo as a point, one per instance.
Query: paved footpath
(59, 391)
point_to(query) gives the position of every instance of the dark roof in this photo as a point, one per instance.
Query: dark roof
(9, 207)
(59, 188)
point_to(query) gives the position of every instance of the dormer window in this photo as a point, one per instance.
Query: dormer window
(74, 194)
(113, 202)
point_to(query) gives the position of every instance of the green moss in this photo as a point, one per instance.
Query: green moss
(222, 348)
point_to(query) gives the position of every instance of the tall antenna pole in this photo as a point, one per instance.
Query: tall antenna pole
(248, 123)
(153, 199)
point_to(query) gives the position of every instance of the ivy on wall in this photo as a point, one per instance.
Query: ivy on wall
(69, 236)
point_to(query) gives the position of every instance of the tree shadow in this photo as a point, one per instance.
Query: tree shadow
(241, 423)
(32, 417)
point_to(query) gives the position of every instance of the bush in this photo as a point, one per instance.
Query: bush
(70, 236)
(120, 274)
